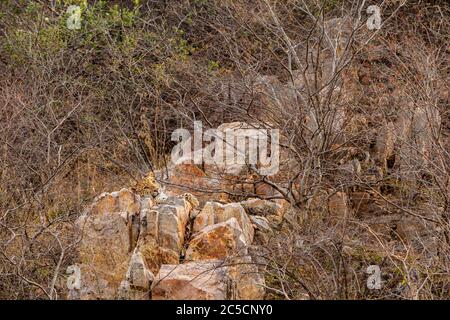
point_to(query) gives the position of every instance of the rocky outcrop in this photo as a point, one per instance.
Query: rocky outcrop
(209, 280)
(177, 247)
(191, 281)
(247, 281)
(125, 239)
(162, 233)
(214, 212)
(108, 232)
(137, 247)
(218, 241)
(138, 279)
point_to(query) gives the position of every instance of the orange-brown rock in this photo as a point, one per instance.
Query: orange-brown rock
(138, 279)
(214, 212)
(217, 241)
(191, 281)
(184, 176)
(188, 177)
(209, 280)
(162, 232)
(107, 238)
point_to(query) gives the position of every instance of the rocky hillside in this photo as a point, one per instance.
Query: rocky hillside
(202, 245)
(349, 98)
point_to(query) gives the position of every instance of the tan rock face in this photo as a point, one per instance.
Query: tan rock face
(171, 226)
(138, 275)
(209, 280)
(126, 239)
(107, 239)
(191, 281)
(162, 232)
(213, 182)
(119, 201)
(190, 177)
(214, 212)
(138, 279)
(154, 255)
(217, 241)
(264, 190)
(113, 227)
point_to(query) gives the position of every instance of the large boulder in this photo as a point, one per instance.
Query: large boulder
(172, 225)
(191, 281)
(124, 239)
(218, 241)
(214, 212)
(138, 279)
(186, 176)
(162, 232)
(210, 185)
(108, 230)
(209, 280)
